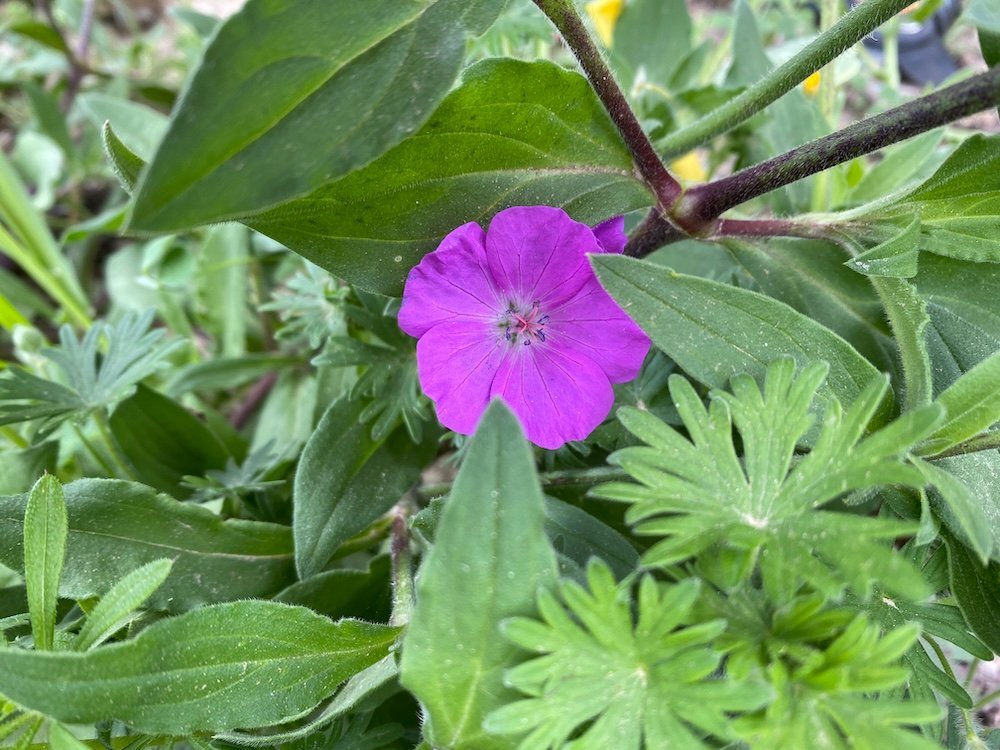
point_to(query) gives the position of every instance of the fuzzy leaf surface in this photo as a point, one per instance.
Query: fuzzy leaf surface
(714, 331)
(241, 664)
(116, 526)
(44, 554)
(489, 559)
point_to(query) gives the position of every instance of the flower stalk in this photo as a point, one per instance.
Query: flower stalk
(698, 210)
(847, 32)
(567, 21)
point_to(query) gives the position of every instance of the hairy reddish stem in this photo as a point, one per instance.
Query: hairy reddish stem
(698, 210)
(647, 162)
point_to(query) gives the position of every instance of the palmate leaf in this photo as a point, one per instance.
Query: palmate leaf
(824, 702)
(698, 492)
(639, 682)
(820, 657)
(389, 375)
(94, 376)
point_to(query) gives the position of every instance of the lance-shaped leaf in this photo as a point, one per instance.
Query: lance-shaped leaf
(972, 404)
(714, 331)
(44, 551)
(309, 90)
(489, 558)
(116, 526)
(116, 607)
(243, 664)
(514, 133)
(959, 205)
(346, 479)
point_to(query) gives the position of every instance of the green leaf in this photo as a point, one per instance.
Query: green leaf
(243, 664)
(99, 369)
(364, 687)
(959, 205)
(223, 286)
(963, 512)
(577, 537)
(972, 404)
(936, 619)
(124, 162)
(116, 526)
(44, 553)
(964, 307)
(696, 492)
(489, 558)
(138, 126)
(976, 588)
(896, 257)
(810, 276)
(220, 374)
(345, 592)
(829, 696)
(164, 442)
(329, 86)
(970, 493)
(632, 684)
(346, 480)
(644, 30)
(907, 313)
(514, 133)
(60, 738)
(714, 331)
(51, 120)
(116, 607)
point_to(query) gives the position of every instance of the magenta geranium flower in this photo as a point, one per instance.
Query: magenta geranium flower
(517, 313)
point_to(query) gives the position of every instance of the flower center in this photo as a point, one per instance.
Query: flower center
(526, 325)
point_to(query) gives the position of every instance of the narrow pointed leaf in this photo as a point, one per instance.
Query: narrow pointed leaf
(44, 552)
(243, 664)
(489, 558)
(972, 403)
(714, 331)
(346, 480)
(116, 526)
(514, 133)
(120, 602)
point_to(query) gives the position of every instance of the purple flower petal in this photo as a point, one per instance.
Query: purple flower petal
(558, 394)
(611, 236)
(593, 324)
(450, 283)
(457, 363)
(536, 253)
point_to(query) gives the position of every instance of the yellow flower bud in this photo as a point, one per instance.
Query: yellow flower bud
(689, 167)
(811, 85)
(604, 14)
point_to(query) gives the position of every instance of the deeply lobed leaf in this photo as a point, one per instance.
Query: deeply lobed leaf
(696, 492)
